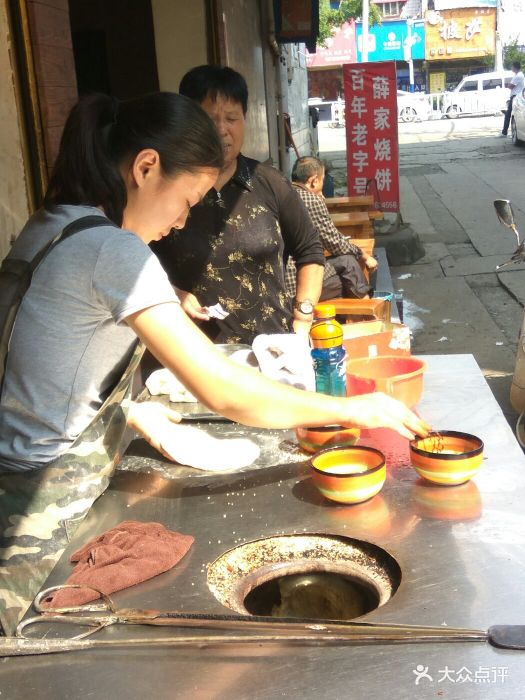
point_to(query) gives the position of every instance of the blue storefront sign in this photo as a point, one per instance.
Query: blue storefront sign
(389, 41)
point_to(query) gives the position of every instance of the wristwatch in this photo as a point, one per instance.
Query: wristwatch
(305, 307)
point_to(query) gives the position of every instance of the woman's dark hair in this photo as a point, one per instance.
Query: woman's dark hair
(210, 81)
(101, 133)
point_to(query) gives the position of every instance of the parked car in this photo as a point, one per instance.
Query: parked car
(482, 93)
(413, 106)
(517, 120)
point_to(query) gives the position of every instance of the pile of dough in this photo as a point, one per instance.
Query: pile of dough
(194, 447)
(162, 381)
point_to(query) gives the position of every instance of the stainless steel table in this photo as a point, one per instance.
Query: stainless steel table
(461, 551)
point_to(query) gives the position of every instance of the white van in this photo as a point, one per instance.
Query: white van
(482, 93)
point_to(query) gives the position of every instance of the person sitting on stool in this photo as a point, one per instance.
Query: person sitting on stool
(343, 275)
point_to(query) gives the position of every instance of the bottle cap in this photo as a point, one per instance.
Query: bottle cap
(324, 311)
(325, 332)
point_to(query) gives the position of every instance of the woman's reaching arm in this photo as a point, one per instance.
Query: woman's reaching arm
(248, 397)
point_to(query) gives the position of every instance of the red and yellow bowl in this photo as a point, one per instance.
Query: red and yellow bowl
(320, 438)
(400, 377)
(349, 474)
(447, 457)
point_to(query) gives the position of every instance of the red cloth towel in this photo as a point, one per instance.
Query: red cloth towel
(130, 553)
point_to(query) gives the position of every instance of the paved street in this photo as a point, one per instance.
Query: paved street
(455, 302)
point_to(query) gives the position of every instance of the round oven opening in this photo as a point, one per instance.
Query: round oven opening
(312, 576)
(322, 596)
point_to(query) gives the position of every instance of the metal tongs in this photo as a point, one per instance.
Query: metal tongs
(268, 630)
(506, 216)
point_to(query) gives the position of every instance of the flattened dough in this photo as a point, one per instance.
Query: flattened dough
(193, 447)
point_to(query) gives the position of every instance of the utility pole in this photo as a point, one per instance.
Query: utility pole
(499, 46)
(364, 36)
(408, 53)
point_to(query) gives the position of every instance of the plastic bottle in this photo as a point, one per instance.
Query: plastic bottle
(328, 353)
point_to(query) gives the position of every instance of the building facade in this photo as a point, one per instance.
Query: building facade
(460, 39)
(56, 50)
(444, 40)
(399, 37)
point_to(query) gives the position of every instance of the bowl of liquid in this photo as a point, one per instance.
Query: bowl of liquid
(447, 457)
(348, 474)
(319, 438)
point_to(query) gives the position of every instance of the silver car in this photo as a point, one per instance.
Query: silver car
(517, 121)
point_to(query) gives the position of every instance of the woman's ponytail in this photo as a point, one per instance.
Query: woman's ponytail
(101, 134)
(85, 171)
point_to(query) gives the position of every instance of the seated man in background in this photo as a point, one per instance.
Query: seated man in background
(343, 275)
(233, 248)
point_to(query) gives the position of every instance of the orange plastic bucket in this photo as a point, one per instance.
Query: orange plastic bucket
(400, 377)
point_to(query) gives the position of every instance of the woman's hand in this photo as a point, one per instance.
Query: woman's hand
(191, 306)
(378, 410)
(371, 263)
(302, 327)
(151, 420)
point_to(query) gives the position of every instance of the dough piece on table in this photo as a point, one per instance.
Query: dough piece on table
(193, 447)
(162, 381)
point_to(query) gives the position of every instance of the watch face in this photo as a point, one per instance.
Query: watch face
(305, 307)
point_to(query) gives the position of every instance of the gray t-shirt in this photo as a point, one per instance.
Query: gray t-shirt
(69, 345)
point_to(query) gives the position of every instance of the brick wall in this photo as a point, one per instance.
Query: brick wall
(55, 68)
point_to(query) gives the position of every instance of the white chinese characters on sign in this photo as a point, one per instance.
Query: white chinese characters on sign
(372, 155)
(381, 121)
(473, 27)
(358, 106)
(357, 79)
(381, 88)
(452, 31)
(359, 134)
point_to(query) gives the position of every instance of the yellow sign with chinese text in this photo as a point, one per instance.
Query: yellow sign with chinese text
(436, 82)
(464, 33)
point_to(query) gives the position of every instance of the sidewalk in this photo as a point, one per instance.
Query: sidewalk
(444, 294)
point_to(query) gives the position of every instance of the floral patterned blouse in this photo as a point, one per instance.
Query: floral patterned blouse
(234, 248)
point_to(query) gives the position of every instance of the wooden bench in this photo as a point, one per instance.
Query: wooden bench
(377, 308)
(356, 224)
(342, 205)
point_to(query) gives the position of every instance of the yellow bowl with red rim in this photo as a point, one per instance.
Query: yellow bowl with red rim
(320, 438)
(349, 474)
(447, 457)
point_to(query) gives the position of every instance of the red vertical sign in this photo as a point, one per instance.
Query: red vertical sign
(371, 130)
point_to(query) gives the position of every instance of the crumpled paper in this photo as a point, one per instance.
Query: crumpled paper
(285, 357)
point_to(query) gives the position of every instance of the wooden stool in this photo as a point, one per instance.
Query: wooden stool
(377, 308)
